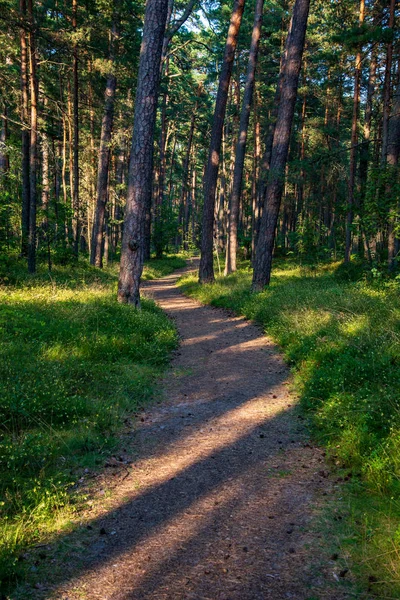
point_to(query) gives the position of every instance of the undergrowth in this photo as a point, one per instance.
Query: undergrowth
(342, 339)
(73, 364)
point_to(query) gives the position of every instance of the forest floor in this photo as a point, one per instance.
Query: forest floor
(225, 492)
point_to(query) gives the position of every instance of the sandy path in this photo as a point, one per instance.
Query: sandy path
(220, 501)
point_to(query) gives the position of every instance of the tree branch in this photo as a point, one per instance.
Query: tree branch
(178, 24)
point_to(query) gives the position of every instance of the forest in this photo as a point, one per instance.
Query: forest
(252, 147)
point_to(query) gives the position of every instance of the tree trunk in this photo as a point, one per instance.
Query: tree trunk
(256, 173)
(364, 154)
(393, 151)
(24, 135)
(387, 85)
(33, 143)
(273, 194)
(206, 271)
(4, 161)
(46, 195)
(141, 158)
(104, 156)
(354, 139)
(159, 198)
(230, 265)
(185, 174)
(75, 109)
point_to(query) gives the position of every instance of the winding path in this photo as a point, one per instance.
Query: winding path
(221, 499)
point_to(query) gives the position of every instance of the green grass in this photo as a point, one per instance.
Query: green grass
(342, 340)
(160, 267)
(73, 364)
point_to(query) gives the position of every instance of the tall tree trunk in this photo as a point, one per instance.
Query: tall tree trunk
(25, 135)
(91, 209)
(46, 195)
(185, 174)
(392, 156)
(387, 85)
(120, 186)
(104, 155)
(230, 265)
(206, 271)
(256, 172)
(33, 143)
(141, 158)
(76, 228)
(354, 140)
(364, 154)
(159, 197)
(300, 190)
(280, 148)
(4, 161)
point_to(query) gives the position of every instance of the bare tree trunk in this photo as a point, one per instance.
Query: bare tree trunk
(104, 156)
(230, 265)
(206, 271)
(194, 204)
(46, 195)
(159, 199)
(91, 209)
(185, 174)
(25, 134)
(120, 185)
(354, 140)
(392, 156)
(141, 158)
(300, 195)
(387, 85)
(33, 143)
(364, 154)
(256, 173)
(4, 161)
(171, 169)
(76, 228)
(280, 148)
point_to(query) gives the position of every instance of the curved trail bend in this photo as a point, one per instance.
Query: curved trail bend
(220, 502)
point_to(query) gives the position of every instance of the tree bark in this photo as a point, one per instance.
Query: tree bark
(354, 140)
(159, 199)
(46, 195)
(364, 154)
(24, 135)
(230, 264)
(392, 157)
(33, 85)
(141, 158)
(387, 85)
(4, 161)
(255, 221)
(96, 257)
(280, 148)
(75, 109)
(185, 174)
(206, 271)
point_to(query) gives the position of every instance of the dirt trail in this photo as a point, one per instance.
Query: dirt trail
(220, 501)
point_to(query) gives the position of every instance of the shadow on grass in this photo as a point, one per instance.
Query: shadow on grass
(73, 364)
(342, 339)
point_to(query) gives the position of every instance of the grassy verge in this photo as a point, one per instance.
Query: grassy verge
(342, 339)
(73, 364)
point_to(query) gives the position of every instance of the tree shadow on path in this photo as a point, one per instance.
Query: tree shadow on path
(219, 502)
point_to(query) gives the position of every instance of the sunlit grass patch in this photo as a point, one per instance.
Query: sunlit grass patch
(73, 364)
(342, 339)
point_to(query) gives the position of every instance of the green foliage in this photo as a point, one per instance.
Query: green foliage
(342, 338)
(73, 364)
